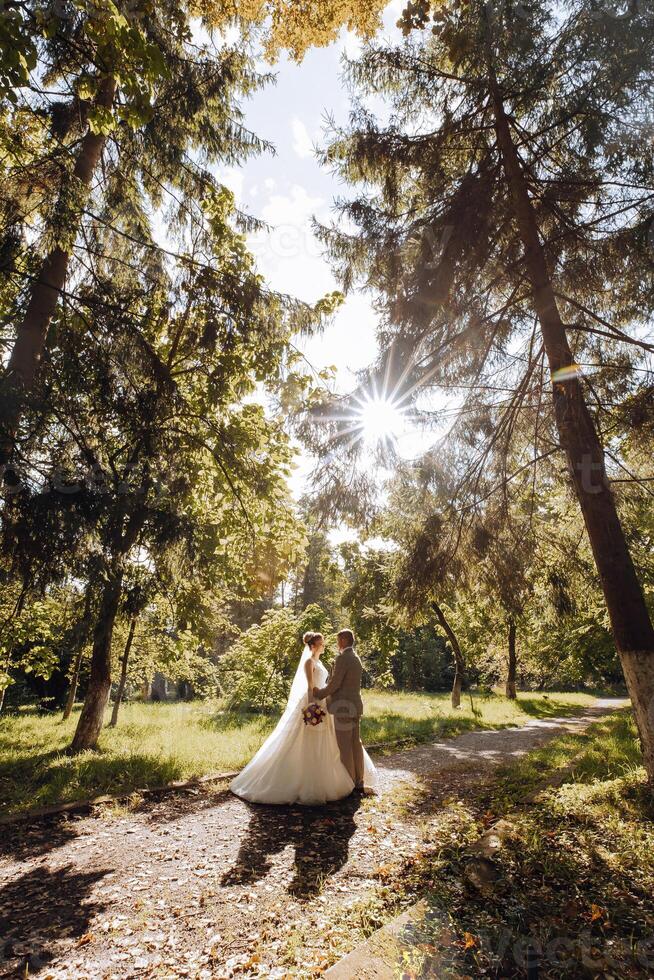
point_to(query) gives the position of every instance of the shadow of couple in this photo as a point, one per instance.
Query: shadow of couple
(320, 837)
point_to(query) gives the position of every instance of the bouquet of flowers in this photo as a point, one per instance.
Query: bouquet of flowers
(313, 714)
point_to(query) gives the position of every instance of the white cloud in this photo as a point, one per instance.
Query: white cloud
(349, 44)
(270, 183)
(233, 178)
(295, 207)
(289, 255)
(302, 142)
(349, 342)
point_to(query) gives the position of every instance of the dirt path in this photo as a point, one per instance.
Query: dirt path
(203, 885)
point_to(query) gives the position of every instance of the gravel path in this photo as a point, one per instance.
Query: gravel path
(203, 885)
(488, 747)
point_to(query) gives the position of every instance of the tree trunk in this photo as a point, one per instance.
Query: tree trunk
(123, 673)
(79, 639)
(2, 697)
(459, 662)
(511, 691)
(45, 292)
(630, 620)
(74, 680)
(90, 721)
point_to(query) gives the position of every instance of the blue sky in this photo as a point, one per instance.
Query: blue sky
(288, 188)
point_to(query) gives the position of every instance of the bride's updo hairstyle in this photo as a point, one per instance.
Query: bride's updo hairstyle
(310, 639)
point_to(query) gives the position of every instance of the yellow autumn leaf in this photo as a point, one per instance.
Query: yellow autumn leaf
(597, 912)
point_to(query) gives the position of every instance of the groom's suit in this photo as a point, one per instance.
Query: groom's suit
(343, 693)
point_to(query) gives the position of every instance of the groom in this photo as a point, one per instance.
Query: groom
(343, 693)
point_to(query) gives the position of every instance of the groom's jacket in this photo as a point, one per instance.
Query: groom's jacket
(343, 689)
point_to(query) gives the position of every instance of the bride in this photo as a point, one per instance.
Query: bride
(300, 763)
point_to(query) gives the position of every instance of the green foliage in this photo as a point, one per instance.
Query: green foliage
(160, 644)
(257, 671)
(30, 642)
(422, 660)
(146, 442)
(367, 599)
(17, 52)
(429, 227)
(155, 452)
(319, 578)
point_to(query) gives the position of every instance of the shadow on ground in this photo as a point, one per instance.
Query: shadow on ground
(546, 707)
(23, 841)
(547, 913)
(320, 837)
(38, 911)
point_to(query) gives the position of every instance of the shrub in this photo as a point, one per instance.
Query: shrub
(257, 670)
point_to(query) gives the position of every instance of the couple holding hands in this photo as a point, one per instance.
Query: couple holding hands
(315, 756)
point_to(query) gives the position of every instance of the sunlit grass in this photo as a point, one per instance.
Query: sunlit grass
(608, 752)
(157, 743)
(389, 716)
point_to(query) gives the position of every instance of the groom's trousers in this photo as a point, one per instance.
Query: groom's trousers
(349, 745)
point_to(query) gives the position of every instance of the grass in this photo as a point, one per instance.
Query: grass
(390, 716)
(612, 751)
(157, 743)
(573, 890)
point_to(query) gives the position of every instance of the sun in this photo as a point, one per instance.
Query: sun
(381, 420)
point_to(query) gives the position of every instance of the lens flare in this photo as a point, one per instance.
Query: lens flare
(381, 420)
(567, 373)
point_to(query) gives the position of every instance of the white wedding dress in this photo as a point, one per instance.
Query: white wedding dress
(300, 763)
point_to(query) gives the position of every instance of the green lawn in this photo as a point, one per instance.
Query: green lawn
(156, 743)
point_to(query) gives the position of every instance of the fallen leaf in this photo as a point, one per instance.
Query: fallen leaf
(597, 912)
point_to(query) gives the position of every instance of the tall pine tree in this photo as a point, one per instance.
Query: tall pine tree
(503, 220)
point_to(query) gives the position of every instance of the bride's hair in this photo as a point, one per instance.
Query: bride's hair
(310, 639)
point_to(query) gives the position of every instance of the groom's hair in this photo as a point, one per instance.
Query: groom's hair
(348, 636)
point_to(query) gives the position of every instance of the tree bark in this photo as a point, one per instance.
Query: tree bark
(511, 691)
(123, 673)
(2, 697)
(459, 662)
(90, 721)
(46, 290)
(630, 620)
(126, 529)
